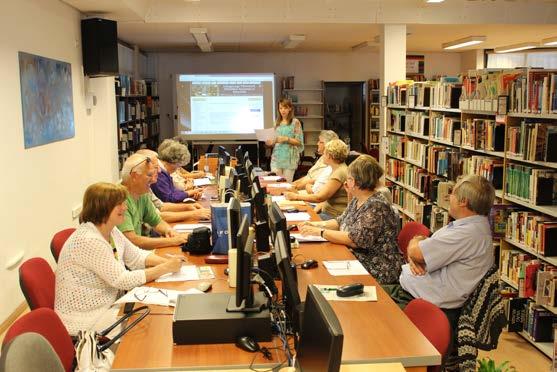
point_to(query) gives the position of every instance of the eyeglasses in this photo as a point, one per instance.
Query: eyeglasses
(142, 294)
(146, 160)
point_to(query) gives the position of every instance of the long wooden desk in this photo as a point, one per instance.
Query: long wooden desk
(374, 332)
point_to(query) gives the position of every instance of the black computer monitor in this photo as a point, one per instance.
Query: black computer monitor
(239, 153)
(232, 179)
(244, 184)
(259, 209)
(321, 337)
(246, 157)
(233, 213)
(287, 274)
(248, 170)
(277, 222)
(222, 167)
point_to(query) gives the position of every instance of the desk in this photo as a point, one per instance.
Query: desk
(374, 332)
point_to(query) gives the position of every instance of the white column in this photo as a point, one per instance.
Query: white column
(392, 57)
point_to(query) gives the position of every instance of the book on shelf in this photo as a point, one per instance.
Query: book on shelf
(417, 123)
(532, 141)
(444, 190)
(446, 92)
(544, 286)
(488, 167)
(499, 217)
(373, 84)
(422, 90)
(516, 314)
(539, 322)
(537, 186)
(534, 230)
(397, 92)
(444, 161)
(483, 134)
(397, 121)
(439, 218)
(446, 128)
(287, 82)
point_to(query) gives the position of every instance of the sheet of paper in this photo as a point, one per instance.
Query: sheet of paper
(297, 216)
(265, 134)
(201, 182)
(188, 227)
(278, 198)
(154, 296)
(289, 203)
(330, 293)
(188, 272)
(347, 267)
(308, 238)
(271, 178)
(284, 185)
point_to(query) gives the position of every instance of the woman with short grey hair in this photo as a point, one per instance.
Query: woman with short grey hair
(172, 155)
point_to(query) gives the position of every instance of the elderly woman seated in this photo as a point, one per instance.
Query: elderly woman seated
(172, 155)
(98, 263)
(319, 169)
(332, 195)
(368, 225)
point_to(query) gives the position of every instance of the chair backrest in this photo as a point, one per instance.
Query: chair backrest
(45, 322)
(408, 231)
(37, 282)
(29, 352)
(433, 323)
(58, 241)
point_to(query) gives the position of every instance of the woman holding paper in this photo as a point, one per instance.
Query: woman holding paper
(92, 270)
(368, 225)
(288, 142)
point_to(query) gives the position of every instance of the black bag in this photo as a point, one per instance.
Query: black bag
(199, 241)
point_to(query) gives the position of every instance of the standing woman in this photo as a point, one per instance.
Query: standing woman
(288, 143)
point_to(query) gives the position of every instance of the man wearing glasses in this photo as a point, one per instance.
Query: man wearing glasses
(137, 174)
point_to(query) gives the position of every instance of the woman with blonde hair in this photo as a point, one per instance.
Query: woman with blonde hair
(93, 265)
(288, 142)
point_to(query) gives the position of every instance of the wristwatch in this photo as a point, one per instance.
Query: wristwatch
(322, 231)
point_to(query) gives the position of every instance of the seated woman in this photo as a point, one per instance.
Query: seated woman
(92, 265)
(368, 225)
(319, 168)
(172, 155)
(183, 179)
(332, 195)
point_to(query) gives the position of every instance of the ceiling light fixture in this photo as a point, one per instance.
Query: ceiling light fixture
(516, 47)
(552, 41)
(200, 36)
(464, 42)
(293, 41)
(434, 1)
(365, 45)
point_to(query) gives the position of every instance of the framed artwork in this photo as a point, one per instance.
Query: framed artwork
(46, 100)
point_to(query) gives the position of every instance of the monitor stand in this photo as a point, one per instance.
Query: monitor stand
(259, 303)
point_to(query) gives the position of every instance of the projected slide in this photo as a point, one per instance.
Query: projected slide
(224, 106)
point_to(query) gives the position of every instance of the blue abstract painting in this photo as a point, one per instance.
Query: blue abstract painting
(46, 99)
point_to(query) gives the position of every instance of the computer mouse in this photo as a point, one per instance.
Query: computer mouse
(204, 286)
(226, 271)
(350, 290)
(309, 264)
(247, 343)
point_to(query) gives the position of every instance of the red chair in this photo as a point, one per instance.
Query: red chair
(58, 241)
(37, 282)
(434, 325)
(408, 231)
(46, 323)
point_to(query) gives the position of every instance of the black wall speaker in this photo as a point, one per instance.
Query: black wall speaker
(99, 40)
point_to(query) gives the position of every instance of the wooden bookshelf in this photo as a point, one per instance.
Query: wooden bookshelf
(373, 132)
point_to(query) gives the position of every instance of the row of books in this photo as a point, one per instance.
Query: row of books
(287, 82)
(446, 128)
(533, 91)
(408, 174)
(526, 315)
(489, 167)
(444, 161)
(444, 93)
(534, 230)
(406, 200)
(133, 135)
(532, 141)
(537, 186)
(483, 134)
(136, 110)
(127, 86)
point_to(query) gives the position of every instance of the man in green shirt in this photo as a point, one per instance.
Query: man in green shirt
(137, 174)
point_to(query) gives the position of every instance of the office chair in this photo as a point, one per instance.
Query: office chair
(37, 282)
(17, 356)
(434, 325)
(45, 322)
(58, 241)
(408, 231)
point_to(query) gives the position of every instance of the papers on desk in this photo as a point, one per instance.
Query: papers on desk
(188, 272)
(265, 134)
(308, 238)
(271, 178)
(297, 216)
(154, 296)
(330, 293)
(283, 185)
(345, 267)
(197, 182)
(282, 201)
(188, 227)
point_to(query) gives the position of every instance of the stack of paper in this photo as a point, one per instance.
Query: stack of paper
(307, 238)
(197, 182)
(154, 296)
(330, 293)
(297, 216)
(188, 272)
(345, 267)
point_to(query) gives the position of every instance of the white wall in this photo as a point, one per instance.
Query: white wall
(308, 68)
(41, 185)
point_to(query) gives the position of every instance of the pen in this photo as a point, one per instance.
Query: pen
(328, 289)
(176, 256)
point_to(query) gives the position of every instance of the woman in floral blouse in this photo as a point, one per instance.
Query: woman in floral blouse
(368, 225)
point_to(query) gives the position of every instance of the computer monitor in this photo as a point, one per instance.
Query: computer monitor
(239, 154)
(246, 157)
(287, 274)
(244, 184)
(248, 169)
(277, 222)
(260, 215)
(321, 337)
(232, 179)
(233, 215)
(222, 167)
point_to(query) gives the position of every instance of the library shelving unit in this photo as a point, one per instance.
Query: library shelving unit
(308, 108)
(137, 105)
(373, 115)
(432, 142)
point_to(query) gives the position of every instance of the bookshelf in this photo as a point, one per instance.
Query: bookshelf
(373, 116)
(138, 116)
(433, 137)
(308, 108)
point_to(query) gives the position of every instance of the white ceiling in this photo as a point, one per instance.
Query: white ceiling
(329, 25)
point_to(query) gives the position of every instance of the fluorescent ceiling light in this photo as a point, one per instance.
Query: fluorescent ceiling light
(516, 47)
(200, 36)
(434, 1)
(293, 41)
(552, 41)
(364, 45)
(464, 42)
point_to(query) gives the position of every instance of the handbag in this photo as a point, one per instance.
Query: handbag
(92, 349)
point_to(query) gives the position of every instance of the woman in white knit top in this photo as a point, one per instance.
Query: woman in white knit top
(91, 272)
